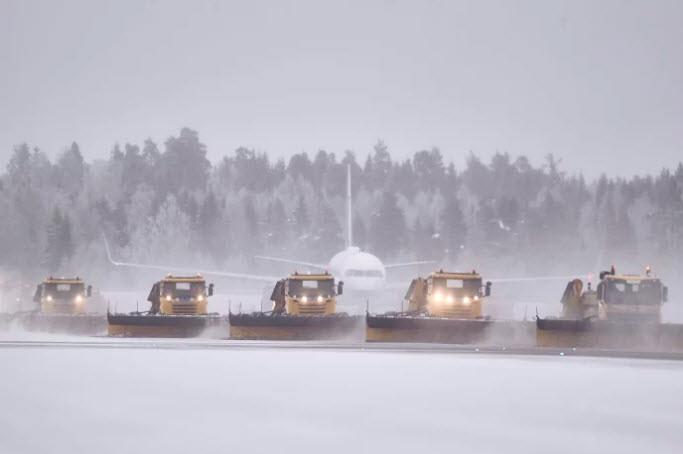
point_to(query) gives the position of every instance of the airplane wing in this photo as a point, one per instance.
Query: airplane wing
(394, 285)
(540, 278)
(167, 268)
(399, 285)
(291, 262)
(399, 265)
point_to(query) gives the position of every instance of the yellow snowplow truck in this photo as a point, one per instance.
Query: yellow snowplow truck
(304, 307)
(451, 295)
(623, 312)
(62, 296)
(445, 307)
(62, 306)
(178, 309)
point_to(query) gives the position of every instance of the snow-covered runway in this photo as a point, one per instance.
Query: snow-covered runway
(154, 396)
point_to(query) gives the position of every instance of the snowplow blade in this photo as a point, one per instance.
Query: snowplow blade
(78, 324)
(144, 325)
(406, 328)
(612, 335)
(264, 326)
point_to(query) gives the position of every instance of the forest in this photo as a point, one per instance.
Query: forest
(167, 203)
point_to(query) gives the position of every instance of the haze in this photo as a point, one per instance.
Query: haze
(599, 84)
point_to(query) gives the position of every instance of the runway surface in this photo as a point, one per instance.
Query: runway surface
(102, 395)
(370, 347)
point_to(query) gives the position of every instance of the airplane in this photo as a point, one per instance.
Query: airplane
(361, 271)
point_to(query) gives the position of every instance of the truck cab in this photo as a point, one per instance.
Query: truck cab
(306, 294)
(449, 294)
(180, 295)
(62, 296)
(631, 296)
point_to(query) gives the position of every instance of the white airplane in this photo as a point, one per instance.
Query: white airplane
(361, 271)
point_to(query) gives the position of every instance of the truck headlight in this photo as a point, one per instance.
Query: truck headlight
(49, 298)
(200, 297)
(438, 297)
(466, 301)
(449, 299)
(304, 299)
(320, 299)
(79, 298)
(168, 297)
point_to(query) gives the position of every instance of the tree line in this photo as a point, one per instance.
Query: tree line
(167, 203)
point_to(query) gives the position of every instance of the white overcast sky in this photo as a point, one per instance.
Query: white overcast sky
(598, 83)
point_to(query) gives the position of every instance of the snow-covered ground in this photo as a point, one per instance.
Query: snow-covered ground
(127, 400)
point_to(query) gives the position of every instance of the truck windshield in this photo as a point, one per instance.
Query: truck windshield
(63, 291)
(457, 287)
(183, 289)
(633, 292)
(311, 287)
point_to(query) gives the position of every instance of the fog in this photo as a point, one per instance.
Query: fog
(168, 204)
(532, 141)
(597, 84)
(536, 139)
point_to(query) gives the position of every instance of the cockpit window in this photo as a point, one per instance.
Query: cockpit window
(363, 273)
